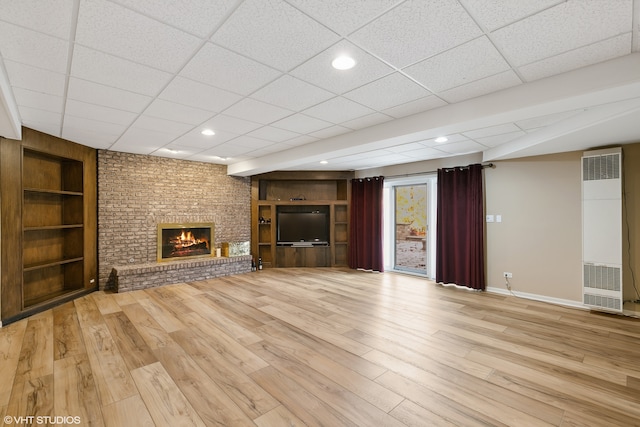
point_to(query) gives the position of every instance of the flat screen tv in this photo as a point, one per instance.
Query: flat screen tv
(303, 228)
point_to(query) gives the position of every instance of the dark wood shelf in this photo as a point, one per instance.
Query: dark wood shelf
(51, 263)
(53, 192)
(53, 227)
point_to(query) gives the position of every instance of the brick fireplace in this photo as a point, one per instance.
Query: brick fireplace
(138, 192)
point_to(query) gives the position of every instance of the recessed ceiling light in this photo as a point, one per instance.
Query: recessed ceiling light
(172, 151)
(323, 162)
(343, 63)
(441, 139)
(208, 132)
(221, 158)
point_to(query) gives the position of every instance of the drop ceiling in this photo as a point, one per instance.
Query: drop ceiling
(505, 78)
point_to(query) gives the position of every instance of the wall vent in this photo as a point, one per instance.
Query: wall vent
(602, 229)
(601, 301)
(606, 166)
(602, 277)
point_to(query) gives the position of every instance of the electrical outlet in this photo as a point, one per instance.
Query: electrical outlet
(507, 275)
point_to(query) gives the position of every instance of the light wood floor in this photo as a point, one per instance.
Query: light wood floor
(319, 347)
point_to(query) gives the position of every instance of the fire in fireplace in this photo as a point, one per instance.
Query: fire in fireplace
(184, 240)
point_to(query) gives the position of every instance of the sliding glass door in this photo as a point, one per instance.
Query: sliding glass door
(409, 224)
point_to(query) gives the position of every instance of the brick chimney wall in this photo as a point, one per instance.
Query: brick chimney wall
(137, 192)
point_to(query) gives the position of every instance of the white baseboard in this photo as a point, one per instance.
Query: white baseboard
(536, 297)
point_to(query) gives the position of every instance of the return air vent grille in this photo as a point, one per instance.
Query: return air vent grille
(601, 167)
(603, 301)
(601, 277)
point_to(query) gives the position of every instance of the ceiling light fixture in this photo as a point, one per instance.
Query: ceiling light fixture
(441, 139)
(208, 132)
(323, 162)
(343, 63)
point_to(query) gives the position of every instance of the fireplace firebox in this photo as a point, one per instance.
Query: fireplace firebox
(179, 241)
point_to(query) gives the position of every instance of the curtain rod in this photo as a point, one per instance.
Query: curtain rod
(485, 165)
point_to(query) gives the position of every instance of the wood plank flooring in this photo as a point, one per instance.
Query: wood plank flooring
(319, 347)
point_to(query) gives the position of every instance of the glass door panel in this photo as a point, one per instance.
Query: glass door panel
(411, 228)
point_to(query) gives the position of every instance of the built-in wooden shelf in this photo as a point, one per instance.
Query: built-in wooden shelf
(48, 188)
(273, 191)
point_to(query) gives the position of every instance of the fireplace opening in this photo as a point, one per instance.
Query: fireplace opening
(184, 240)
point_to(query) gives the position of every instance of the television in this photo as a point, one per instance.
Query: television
(310, 228)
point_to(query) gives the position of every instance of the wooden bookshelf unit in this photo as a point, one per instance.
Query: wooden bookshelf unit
(299, 191)
(49, 223)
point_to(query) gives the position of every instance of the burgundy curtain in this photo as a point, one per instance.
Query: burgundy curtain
(365, 235)
(460, 227)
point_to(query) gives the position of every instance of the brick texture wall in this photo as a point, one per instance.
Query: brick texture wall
(137, 192)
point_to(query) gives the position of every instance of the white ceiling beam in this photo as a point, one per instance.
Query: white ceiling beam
(10, 122)
(608, 82)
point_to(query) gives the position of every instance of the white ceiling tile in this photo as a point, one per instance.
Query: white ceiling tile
(301, 140)
(95, 93)
(366, 121)
(98, 112)
(387, 92)
(177, 112)
(228, 149)
(413, 107)
(52, 17)
(250, 142)
(422, 154)
(569, 25)
(198, 17)
(198, 95)
(171, 129)
(274, 148)
(462, 147)
(341, 16)
(140, 141)
(463, 64)
(90, 137)
(33, 48)
(175, 151)
(491, 131)
(319, 71)
(92, 125)
(222, 68)
(330, 131)
(420, 29)
(35, 79)
(256, 111)
(481, 87)
(338, 110)
(98, 67)
(495, 14)
(39, 100)
(451, 138)
(205, 157)
(493, 141)
(198, 140)
(594, 53)
(301, 123)
(119, 31)
(292, 93)
(412, 146)
(273, 134)
(546, 120)
(231, 124)
(43, 117)
(279, 35)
